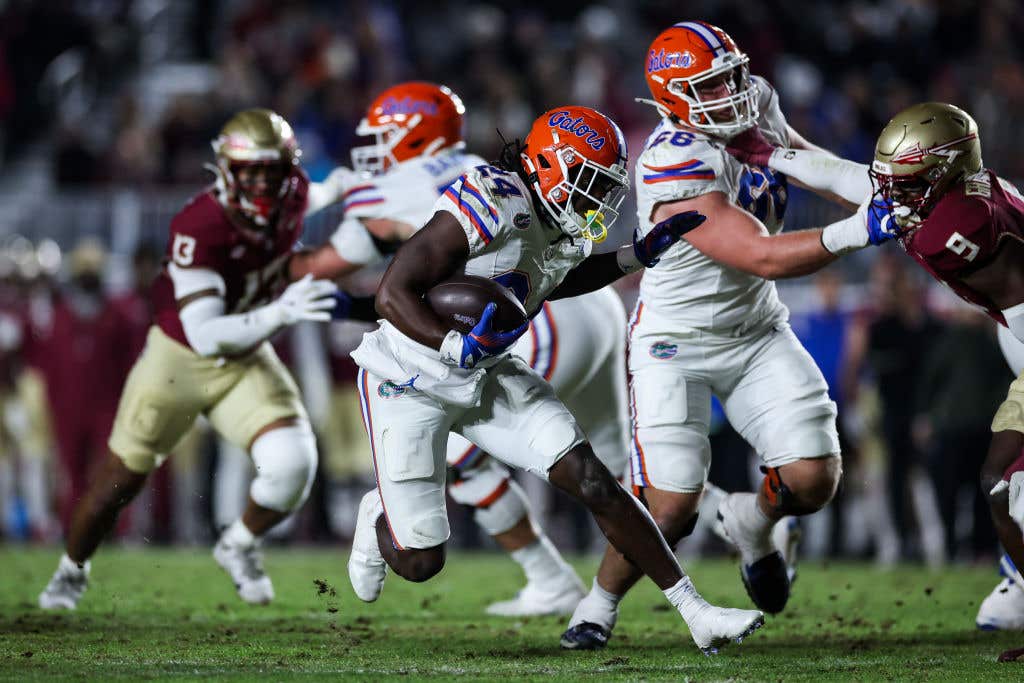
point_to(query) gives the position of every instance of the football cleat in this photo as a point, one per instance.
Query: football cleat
(366, 566)
(1003, 609)
(585, 636)
(768, 582)
(537, 600)
(244, 564)
(765, 573)
(716, 627)
(66, 586)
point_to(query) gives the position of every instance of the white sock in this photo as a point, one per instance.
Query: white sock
(66, 564)
(685, 598)
(239, 535)
(598, 607)
(541, 561)
(754, 539)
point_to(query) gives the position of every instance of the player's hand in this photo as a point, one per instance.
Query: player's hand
(879, 220)
(307, 299)
(483, 340)
(751, 147)
(1013, 483)
(650, 247)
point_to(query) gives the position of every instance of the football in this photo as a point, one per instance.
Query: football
(460, 301)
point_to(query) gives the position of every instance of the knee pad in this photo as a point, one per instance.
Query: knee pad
(779, 496)
(505, 512)
(285, 460)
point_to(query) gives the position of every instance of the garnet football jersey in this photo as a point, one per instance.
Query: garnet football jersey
(964, 231)
(251, 262)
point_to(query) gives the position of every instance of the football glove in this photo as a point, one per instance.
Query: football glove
(1013, 483)
(306, 299)
(649, 248)
(482, 341)
(751, 147)
(881, 224)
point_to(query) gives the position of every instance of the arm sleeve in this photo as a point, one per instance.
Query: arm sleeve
(330, 190)
(211, 333)
(824, 171)
(354, 243)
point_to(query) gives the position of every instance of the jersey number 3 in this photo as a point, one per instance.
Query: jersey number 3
(961, 246)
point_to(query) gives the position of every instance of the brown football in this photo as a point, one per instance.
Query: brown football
(460, 301)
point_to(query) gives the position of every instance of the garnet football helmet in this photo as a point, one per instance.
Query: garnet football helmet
(575, 163)
(256, 155)
(408, 120)
(922, 152)
(694, 57)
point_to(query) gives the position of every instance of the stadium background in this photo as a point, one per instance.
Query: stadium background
(107, 109)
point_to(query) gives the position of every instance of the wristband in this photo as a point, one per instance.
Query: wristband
(842, 237)
(451, 349)
(625, 257)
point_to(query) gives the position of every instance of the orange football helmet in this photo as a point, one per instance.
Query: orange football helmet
(408, 120)
(692, 56)
(575, 163)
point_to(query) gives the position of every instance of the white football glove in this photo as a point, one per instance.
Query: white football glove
(306, 299)
(1015, 490)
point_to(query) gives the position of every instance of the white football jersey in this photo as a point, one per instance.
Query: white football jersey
(510, 243)
(508, 240)
(405, 193)
(687, 288)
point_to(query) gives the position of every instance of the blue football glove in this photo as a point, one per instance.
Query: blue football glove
(650, 247)
(881, 222)
(483, 340)
(342, 305)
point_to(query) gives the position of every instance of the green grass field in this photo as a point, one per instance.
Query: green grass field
(172, 613)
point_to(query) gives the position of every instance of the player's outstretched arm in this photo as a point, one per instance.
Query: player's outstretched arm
(737, 239)
(433, 254)
(211, 332)
(645, 252)
(839, 180)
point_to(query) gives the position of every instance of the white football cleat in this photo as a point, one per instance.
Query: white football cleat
(1003, 609)
(534, 599)
(717, 626)
(66, 586)
(244, 564)
(366, 566)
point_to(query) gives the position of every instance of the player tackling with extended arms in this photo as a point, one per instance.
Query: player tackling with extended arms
(965, 226)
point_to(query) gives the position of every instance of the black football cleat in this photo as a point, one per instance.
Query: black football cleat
(585, 636)
(767, 582)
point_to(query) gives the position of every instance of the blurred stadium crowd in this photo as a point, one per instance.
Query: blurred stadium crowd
(107, 108)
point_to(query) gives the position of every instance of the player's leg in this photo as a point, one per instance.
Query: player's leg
(669, 459)
(150, 420)
(403, 523)
(263, 413)
(502, 511)
(780, 405)
(518, 402)
(1004, 607)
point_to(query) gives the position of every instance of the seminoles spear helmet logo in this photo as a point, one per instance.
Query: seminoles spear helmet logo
(915, 155)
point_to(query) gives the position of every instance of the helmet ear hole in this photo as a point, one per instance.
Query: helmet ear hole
(416, 144)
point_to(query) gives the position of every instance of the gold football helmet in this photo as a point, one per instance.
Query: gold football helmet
(922, 152)
(256, 151)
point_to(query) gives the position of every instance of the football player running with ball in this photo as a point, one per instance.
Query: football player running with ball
(529, 226)
(417, 152)
(709, 321)
(965, 226)
(208, 353)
